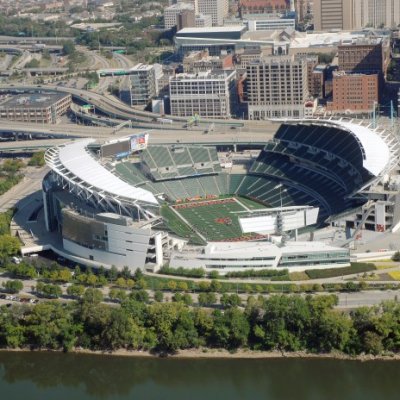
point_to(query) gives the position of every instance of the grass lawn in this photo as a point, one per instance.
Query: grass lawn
(355, 268)
(299, 276)
(215, 219)
(386, 265)
(179, 227)
(395, 275)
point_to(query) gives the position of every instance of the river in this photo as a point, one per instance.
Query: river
(42, 376)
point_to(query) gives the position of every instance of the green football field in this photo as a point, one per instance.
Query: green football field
(215, 220)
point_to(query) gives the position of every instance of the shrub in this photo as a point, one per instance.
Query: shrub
(355, 268)
(190, 273)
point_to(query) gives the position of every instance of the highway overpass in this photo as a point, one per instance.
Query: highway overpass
(115, 108)
(229, 138)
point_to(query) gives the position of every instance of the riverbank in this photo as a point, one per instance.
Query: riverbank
(206, 353)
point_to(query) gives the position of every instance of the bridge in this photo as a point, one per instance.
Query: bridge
(234, 139)
(114, 108)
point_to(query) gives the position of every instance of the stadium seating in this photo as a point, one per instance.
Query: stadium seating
(130, 173)
(167, 162)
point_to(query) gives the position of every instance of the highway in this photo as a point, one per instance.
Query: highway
(156, 137)
(31, 182)
(115, 108)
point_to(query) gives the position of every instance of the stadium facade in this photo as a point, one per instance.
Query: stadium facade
(127, 203)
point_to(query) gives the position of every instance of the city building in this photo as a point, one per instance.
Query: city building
(363, 56)
(245, 56)
(333, 14)
(316, 85)
(376, 13)
(263, 7)
(218, 9)
(202, 21)
(277, 87)
(354, 93)
(171, 13)
(43, 108)
(356, 14)
(186, 19)
(210, 94)
(264, 22)
(201, 61)
(143, 80)
(215, 40)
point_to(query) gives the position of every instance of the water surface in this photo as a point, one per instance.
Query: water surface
(79, 377)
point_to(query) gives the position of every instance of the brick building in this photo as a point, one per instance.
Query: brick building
(355, 93)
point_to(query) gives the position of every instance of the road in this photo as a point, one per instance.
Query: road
(115, 108)
(31, 182)
(345, 300)
(156, 137)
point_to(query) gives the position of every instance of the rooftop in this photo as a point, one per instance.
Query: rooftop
(29, 100)
(75, 160)
(214, 29)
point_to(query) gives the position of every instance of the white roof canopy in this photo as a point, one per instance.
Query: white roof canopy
(75, 158)
(376, 151)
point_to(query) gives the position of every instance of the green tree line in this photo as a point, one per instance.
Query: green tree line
(283, 323)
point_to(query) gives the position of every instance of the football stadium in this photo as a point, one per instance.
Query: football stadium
(224, 207)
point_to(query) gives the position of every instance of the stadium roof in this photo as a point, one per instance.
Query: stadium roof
(376, 151)
(214, 29)
(79, 162)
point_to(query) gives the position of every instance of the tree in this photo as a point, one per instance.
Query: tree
(76, 291)
(177, 297)
(13, 286)
(204, 286)
(285, 323)
(232, 300)
(120, 282)
(92, 296)
(9, 245)
(140, 296)
(207, 299)
(91, 279)
(396, 256)
(68, 48)
(215, 286)
(183, 286)
(230, 329)
(112, 273)
(187, 299)
(158, 296)
(37, 159)
(53, 291)
(126, 272)
(64, 275)
(117, 294)
(51, 325)
(172, 285)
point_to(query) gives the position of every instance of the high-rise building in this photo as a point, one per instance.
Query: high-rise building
(143, 81)
(354, 93)
(376, 13)
(201, 61)
(203, 21)
(277, 87)
(209, 94)
(362, 56)
(333, 14)
(355, 14)
(171, 13)
(263, 6)
(185, 19)
(218, 9)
